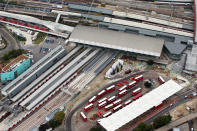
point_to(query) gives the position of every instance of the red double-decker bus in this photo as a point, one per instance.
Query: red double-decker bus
(161, 80)
(122, 93)
(137, 96)
(136, 91)
(111, 99)
(88, 107)
(130, 85)
(111, 88)
(92, 100)
(138, 78)
(83, 116)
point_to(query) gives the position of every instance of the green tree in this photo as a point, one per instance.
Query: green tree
(53, 124)
(95, 116)
(144, 127)
(161, 121)
(59, 117)
(147, 84)
(150, 62)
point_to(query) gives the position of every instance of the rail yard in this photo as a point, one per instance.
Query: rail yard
(110, 65)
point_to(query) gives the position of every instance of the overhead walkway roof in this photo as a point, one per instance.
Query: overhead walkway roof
(51, 25)
(140, 106)
(117, 40)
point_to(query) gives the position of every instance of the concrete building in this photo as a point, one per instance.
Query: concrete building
(174, 50)
(191, 60)
(15, 68)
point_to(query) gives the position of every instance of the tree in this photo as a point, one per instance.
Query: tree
(161, 121)
(147, 84)
(144, 127)
(150, 62)
(53, 124)
(59, 117)
(43, 127)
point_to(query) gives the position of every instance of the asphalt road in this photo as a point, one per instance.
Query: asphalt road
(69, 118)
(11, 42)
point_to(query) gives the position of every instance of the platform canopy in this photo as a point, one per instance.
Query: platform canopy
(140, 106)
(117, 40)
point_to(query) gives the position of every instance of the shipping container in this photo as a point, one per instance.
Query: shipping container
(117, 108)
(101, 105)
(117, 102)
(136, 91)
(102, 100)
(161, 80)
(122, 93)
(111, 99)
(138, 78)
(101, 93)
(83, 116)
(111, 88)
(130, 85)
(122, 88)
(137, 96)
(107, 107)
(127, 102)
(88, 107)
(92, 100)
(107, 114)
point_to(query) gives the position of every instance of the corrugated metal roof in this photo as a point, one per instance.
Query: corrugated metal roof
(174, 48)
(117, 40)
(93, 9)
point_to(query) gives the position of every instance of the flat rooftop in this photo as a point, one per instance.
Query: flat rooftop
(117, 40)
(140, 106)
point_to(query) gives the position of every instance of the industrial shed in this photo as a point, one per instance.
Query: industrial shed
(117, 40)
(140, 106)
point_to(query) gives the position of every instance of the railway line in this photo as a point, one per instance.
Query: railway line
(50, 86)
(48, 73)
(54, 79)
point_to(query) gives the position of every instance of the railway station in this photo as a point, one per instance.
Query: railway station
(81, 43)
(117, 40)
